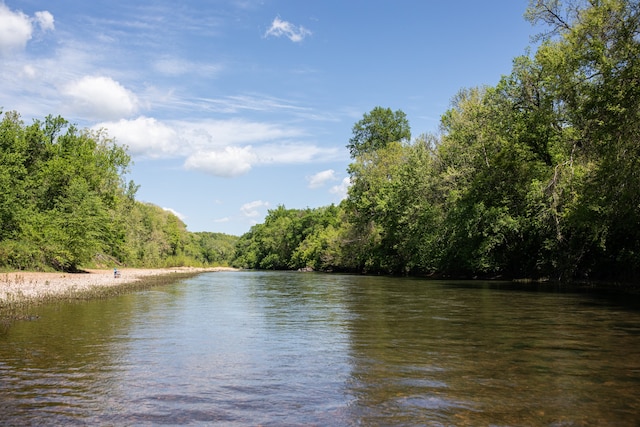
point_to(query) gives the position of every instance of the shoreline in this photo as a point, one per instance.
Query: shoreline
(26, 288)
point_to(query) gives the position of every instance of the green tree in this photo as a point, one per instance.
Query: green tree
(13, 176)
(216, 248)
(60, 189)
(412, 225)
(369, 205)
(536, 177)
(317, 233)
(592, 57)
(289, 239)
(378, 128)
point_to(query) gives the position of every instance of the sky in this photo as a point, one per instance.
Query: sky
(230, 108)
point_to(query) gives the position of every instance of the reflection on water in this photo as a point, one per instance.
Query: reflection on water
(254, 348)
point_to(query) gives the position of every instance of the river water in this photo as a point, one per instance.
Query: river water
(289, 349)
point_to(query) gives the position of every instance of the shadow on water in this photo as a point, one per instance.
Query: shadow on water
(621, 296)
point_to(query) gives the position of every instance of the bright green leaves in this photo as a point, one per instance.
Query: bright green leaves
(377, 148)
(291, 238)
(59, 187)
(72, 231)
(65, 202)
(536, 177)
(377, 129)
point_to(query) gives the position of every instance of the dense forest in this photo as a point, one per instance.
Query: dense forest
(65, 203)
(536, 177)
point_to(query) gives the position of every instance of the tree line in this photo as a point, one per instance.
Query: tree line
(536, 177)
(65, 203)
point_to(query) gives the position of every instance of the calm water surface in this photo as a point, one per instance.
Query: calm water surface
(252, 348)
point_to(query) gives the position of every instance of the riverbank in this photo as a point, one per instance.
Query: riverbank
(21, 289)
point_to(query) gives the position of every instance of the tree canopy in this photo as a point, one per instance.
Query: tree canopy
(537, 176)
(534, 177)
(65, 202)
(378, 128)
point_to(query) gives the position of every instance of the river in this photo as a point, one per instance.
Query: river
(293, 349)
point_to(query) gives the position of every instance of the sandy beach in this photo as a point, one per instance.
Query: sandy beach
(24, 287)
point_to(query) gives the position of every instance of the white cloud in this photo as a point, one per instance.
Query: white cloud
(321, 178)
(144, 136)
(233, 160)
(100, 98)
(341, 189)
(229, 162)
(281, 28)
(225, 148)
(251, 209)
(176, 213)
(16, 28)
(45, 20)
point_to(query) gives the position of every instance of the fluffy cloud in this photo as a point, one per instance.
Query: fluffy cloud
(144, 136)
(232, 160)
(45, 20)
(251, 209)
(100, 98)
(29, 71)
(229, 162)
(16, 28)
(225, 148)
(321, 178)
(281, 28)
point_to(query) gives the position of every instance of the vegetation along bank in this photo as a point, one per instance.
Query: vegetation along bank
(536, 177)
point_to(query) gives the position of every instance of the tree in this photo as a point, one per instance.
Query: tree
(369, 205)
(215, 248)
(13, 176)
(377, 129)
(58, 195)
(536, 177)
(414, 224)
(289, 239)
(593, 63)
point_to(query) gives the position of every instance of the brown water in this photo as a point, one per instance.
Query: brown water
(252, 348)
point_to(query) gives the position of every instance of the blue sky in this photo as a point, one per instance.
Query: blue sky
(230, 108)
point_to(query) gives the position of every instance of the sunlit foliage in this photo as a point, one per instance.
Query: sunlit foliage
(536, 177)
